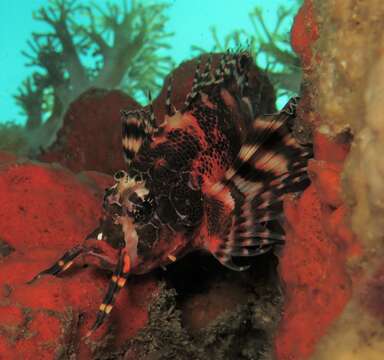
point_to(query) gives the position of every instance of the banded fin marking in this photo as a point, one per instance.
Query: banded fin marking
(291, 106)
(206, 74)
(62, 264)
(229, 66)
(138, 127)
(152, 118)
(250, 252)
(195, 86)
(169, 108)
(69, 257)
(270, 164)
(224, 68)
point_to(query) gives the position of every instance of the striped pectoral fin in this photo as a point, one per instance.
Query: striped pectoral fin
(271, 162)
(269, 165)
(64, 263)
(223, 222)
(244, 237)
(116, 283)
(138, 126)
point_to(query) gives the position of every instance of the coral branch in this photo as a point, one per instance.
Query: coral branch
(270, 47)
(87, 45)
(58, 16)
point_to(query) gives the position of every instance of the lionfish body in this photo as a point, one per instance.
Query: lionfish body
(211, 176)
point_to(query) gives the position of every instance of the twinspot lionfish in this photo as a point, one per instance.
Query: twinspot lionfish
(194, 182)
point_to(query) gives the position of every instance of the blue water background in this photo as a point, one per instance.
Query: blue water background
(190, 21)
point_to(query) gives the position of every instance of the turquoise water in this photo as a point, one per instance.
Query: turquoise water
(189, 21)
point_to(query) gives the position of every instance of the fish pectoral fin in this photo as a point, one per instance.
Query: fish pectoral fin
(171, 258)
(231, 235)
(244, 209)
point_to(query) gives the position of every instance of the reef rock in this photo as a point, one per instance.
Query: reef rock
(313, 264)
(333, 277)
(304, 33)
(90, 138)
(45, 210)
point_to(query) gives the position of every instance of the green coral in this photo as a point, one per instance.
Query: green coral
(270, 48)
(86, 45)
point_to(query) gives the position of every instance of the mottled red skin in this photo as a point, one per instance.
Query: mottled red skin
(313, 262)
(90, 138)
(304, 33)
(40, 223)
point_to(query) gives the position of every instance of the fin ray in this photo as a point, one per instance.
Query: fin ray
(270, 164)
(138, 126)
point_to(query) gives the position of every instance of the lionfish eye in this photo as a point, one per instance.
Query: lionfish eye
(119, 175)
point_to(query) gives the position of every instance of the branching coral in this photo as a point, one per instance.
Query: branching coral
(87, 45)
(270, 47)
